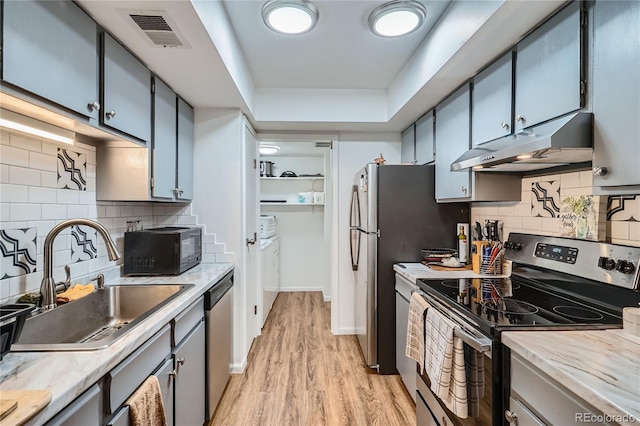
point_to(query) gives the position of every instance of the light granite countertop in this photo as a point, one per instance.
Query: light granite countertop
(68, 374)
(413, 271)
(600, 366)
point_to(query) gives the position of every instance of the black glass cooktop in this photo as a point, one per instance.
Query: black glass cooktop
(496, 303)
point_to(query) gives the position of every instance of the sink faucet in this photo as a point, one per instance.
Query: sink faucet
(48, 284)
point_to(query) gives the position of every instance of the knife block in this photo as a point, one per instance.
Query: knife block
(475, 255)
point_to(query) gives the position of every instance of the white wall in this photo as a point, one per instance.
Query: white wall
(217, 194)
(349, 156)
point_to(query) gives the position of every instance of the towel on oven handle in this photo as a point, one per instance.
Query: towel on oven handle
(444, 363)
(415, 329)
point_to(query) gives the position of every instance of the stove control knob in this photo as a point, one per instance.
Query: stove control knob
(607, 263)
(513, 246)
(625, 267)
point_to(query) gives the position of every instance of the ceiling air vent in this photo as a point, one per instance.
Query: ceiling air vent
(157, 27)
(323, 145)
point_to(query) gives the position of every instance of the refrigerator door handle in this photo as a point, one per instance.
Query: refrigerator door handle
(354, 226)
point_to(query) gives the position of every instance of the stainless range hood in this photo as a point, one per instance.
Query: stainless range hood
(559, 142)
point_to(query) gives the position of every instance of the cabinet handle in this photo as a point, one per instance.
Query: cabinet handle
(504, 125)
(180, 191)
(520, 118)
(181, 361)
(172, 373)
(464, 189)
(110, 114)
(600, 171)
(94, 106)
(444, 421)
(511, 417)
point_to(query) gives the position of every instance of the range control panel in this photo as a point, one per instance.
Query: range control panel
(557, 253)
(609, 263)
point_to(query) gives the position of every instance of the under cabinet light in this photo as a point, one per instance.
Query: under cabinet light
(397, 18)
(32, 127)
(290, 16)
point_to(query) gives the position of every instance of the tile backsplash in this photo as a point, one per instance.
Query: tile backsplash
(563, 205)
(42, 184)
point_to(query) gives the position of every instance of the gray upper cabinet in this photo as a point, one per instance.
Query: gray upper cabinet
(408, 145)
(164, 141)
(452, 140)
(424, 139)
(186, 137)
(50, 49)
(492, 112)
(616, 96)
(548, 69)
(126, 97)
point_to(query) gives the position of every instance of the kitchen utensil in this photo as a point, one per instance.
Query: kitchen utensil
(7, 406)
(477, 230)
(266, 168)
(28, 404)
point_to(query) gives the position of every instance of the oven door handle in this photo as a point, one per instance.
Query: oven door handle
(481, 344)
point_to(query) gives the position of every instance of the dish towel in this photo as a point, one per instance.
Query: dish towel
(145, 405)
(415, 329)
(474, 361)
(77, 291)
(444, 363)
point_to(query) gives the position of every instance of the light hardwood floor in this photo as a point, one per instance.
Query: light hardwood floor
(298, 373)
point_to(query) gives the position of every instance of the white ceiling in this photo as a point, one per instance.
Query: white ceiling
(340, 53)
(338, 78)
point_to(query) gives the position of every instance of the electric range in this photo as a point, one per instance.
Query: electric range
(556, 284)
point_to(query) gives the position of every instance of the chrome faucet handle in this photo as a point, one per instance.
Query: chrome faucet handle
(100, 279)
(67, 282)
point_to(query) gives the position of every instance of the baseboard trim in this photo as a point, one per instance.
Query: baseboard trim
(347, 330)
(239, 368)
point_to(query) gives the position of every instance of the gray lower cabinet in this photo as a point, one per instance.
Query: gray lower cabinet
(549, 69)
(616, 97)
(405, 365)
(186, 138)
(537, 399)
(126, 97)
(189, 358)
(86, 410)
(164, 141)
(452, 140)
(425, 144)
(492, 99)
(46, 45)
(408, 145)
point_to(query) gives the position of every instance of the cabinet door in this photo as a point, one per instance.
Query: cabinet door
(186, 139)
(190, 379)
(408, 147)
(165, 377)
(126, 87)
(492, 110)
(164, 141)
(616, 92)
(548, 69)
(424, 139)
(50, 49)
(452, 140)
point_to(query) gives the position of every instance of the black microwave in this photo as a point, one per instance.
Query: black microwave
(162, 251)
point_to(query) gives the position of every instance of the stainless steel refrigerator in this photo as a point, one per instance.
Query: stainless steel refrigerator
(393, 216)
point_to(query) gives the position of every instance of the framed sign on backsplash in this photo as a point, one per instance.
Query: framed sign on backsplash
(579, 217)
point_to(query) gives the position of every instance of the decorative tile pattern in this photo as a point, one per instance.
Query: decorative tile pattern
(624, 208)
(19, 251)
(545, 199)
(84, 243)
(72, 170)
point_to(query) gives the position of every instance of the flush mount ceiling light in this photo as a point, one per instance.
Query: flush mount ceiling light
(290, 16)
(269, 149)
(30, 126)
(397, 18)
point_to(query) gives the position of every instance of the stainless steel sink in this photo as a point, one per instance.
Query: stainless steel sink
(97, 320)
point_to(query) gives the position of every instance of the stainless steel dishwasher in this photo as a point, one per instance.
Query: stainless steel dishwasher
(218, 304)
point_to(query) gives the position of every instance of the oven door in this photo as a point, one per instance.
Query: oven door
(430, 410)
